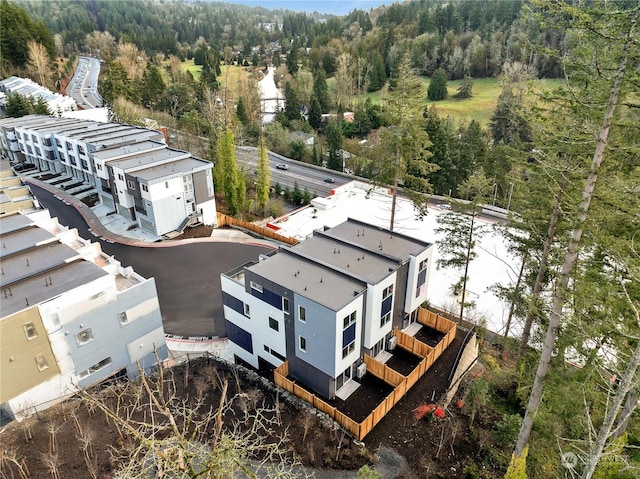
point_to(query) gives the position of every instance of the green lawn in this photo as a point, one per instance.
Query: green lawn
(195, 70)
(479, 107)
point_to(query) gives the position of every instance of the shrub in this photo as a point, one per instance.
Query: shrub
(506, 431)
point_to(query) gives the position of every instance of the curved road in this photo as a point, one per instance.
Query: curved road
(187, 275)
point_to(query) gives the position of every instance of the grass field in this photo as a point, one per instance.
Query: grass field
(479, 107)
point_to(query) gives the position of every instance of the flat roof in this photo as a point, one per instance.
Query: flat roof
(169, 169)
(351, 260)
(104, 141)
(166, 155)
(318, 283)
(42, 287)
(22, 239)
(35, 260)
(126, 150)
(11, 223)
(377, 239)
(25, 121)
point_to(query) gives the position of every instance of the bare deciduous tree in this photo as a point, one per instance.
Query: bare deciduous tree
(39, 63)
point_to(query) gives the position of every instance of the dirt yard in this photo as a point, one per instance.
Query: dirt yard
(74, 434)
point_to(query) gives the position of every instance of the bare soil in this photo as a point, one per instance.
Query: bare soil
(432, 447)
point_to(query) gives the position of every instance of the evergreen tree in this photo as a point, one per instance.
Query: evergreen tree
(377, 73)
(292, 105)
(321, 90)
(438, 86)
(315, 113)
(406, 142)
(292, 58)
(465, 90)
(263, 177)
(334, 145)
(241, 112)
(229, 180)
(152, 86)
(508, 125)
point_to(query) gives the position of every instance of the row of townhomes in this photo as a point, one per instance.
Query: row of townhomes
(56, 102)
(324, 303)
(63, 303)
(132, 169)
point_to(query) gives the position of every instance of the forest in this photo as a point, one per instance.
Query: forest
(565, 160)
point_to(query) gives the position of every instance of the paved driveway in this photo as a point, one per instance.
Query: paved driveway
(187, 275)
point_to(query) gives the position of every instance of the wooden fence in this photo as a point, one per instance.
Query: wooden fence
(401, 383)
(224, 220)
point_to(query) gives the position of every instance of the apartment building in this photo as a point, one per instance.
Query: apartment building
(71, 315)
(132, 169)
(325, 302)
(14, 194)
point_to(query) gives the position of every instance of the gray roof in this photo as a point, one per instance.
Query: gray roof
(138, 161)
(127, 150)
(377, 240)
(36, 267)
(318, 283)
(352, 260)
(169, 169)
(42, 287)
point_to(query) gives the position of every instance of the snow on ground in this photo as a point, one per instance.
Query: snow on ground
(272, 97)
(494, 264)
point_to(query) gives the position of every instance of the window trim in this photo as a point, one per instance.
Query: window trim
(302, 343)
(349, 320)
(285, 305)
(348, 349)
(302, 314)
(274, 322)
(81, 342)
(383, 321)
(26, 326)
(256, 286)
(247, 310)
(41, 362)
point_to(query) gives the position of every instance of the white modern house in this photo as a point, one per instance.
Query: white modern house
(324, 303)
(71, 315)
(132, 168)
(56, 102)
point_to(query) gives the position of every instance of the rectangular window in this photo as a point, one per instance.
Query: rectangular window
(41, 362)
(348, 349)
(273, 324)
(302, 314)
(349, 320)
(131, 185)
(122, 317)
(302, 343)
(385, 319)
(83, 337)
(423, 264)
(145, 188)
(285, 305)
(388, 291)
(120, 177)
(166, 184)
(99, 166)
(95, 368)
(97, 295)
(30, 331)
(256, 286)
(69, 146)
(247, 310)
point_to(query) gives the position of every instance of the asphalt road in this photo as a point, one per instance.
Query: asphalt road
(187, 276)
(84, 83)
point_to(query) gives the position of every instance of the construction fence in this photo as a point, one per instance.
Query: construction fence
(401, 383)
(224, 220)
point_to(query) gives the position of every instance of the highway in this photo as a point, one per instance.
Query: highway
(83, 87)
(306, 176)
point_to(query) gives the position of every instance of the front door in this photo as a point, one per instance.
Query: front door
(343, 378)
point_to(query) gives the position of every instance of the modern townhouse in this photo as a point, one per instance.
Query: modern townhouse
(56, 103)
(324, 303)
(132, 169)
(15, 196)
(71, 315)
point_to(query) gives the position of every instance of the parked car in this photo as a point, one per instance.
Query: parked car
(282, 166)
(329, 179)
